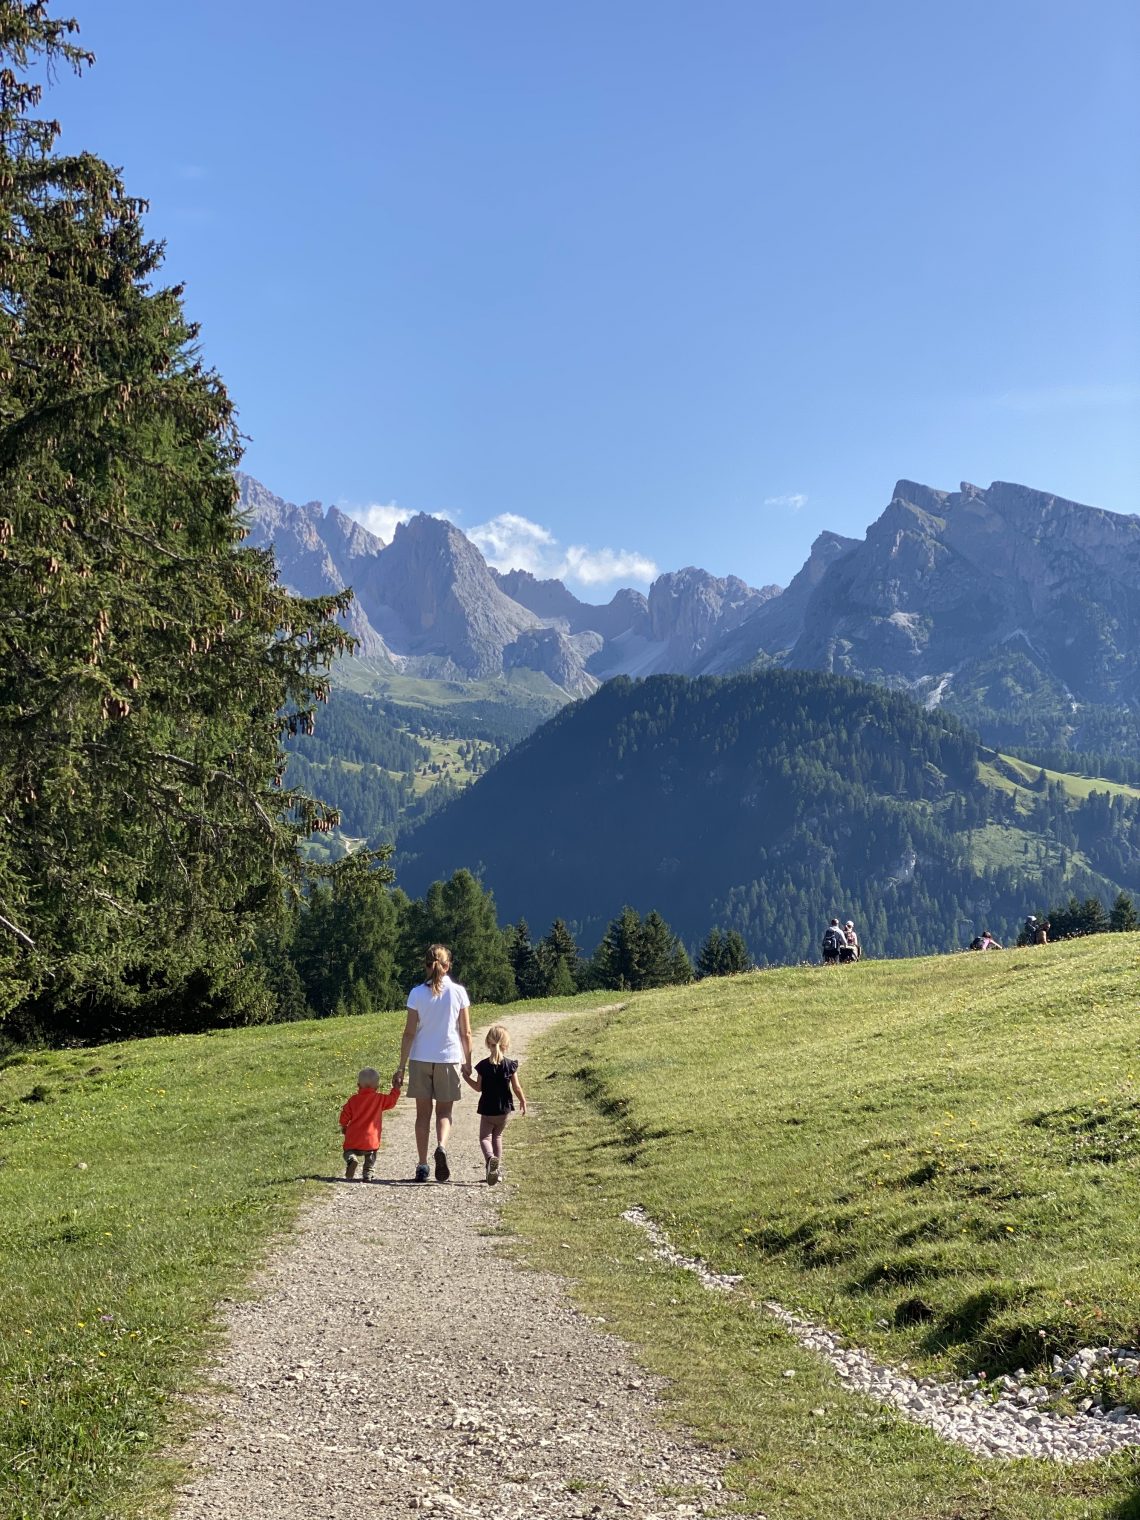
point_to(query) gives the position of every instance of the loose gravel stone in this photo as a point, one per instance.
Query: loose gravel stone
(393, 1360)
(1005, 1423)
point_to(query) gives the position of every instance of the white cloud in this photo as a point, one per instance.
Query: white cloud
(596, 567)
(511, 542)
(380, 518)
(794, 499)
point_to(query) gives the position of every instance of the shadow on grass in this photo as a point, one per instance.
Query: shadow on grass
(1128, 1509)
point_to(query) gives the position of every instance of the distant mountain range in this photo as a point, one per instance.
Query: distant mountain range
(1014, 608)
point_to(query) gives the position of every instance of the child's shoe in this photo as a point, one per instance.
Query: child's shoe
(349, 1168)
(366, 1174)
(493, 1166)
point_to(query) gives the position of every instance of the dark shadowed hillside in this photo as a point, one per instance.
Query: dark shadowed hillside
(766, 803)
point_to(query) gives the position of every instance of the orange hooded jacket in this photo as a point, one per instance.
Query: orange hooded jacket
(360, 1118)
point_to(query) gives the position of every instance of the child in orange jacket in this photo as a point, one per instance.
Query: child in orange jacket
(360, 1119)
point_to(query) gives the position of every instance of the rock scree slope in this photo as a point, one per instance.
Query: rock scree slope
(393, 1360)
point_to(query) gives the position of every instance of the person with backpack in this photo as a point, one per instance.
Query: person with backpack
(850, 949)
(834, 942)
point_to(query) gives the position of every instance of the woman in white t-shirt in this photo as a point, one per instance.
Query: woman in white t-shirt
(437, 1038)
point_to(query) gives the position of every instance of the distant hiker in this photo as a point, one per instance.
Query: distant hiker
(988, 941)
(1042, 935)
(496, 1081)
(834, 943)
(1036, 931)
(850, 948)
(437, 1036)
(976, 943)
(361, 1119)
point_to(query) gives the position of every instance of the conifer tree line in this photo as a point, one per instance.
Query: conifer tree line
(150, 663)
(1075, 919)
(355, 944)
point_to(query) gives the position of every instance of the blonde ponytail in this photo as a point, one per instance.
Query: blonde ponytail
(437, 963)
(498, 1043)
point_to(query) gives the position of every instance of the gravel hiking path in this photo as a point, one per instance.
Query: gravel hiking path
(394, 1360)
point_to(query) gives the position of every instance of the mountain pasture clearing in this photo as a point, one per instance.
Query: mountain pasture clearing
(936, 1157)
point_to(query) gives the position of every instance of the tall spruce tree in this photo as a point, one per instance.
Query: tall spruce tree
(561, 961)
(346, 943)
(149, 664)
(1122, 917)
(660, 966)
(530, 978)
(617, 960)
(709, 955)
(458, 913)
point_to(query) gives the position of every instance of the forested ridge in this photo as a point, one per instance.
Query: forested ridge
(766, 803)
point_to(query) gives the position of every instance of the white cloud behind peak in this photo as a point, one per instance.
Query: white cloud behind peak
(381, 518)
(793, 500)
(510, 541)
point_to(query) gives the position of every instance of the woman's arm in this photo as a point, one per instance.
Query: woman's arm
(518, 1092)
(410, 1026)
(465, 1035)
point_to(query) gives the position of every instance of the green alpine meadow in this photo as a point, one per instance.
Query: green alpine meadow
(935, 1157)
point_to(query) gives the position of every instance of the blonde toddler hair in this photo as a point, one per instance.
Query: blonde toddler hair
(437, 963)
(369, 1077)
(498, 1042)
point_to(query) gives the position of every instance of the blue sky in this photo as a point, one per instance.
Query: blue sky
(672, 283)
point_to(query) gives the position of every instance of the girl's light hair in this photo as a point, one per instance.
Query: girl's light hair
(498, 1042)
(437, 963)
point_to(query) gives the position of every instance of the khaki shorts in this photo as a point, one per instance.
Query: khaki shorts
(434, 1079)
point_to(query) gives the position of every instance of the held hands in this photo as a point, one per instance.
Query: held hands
(398, 1077)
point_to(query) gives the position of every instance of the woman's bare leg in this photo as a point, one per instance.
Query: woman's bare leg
(442, 1125)
(423, 1127)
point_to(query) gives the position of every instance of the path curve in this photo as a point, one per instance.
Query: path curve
(392, 1359)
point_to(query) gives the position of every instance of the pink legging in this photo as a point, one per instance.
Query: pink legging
(491, 1127)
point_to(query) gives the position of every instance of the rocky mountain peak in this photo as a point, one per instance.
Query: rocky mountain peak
(690, 604)
(434, 595)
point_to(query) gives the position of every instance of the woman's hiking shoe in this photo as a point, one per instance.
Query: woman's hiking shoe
(442, 1170)
(493, 1171)
(422, 1172)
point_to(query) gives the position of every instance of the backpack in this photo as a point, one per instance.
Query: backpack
(976, 942)
(834, 939)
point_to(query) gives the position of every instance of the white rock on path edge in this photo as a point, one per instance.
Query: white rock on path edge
(964, 1410)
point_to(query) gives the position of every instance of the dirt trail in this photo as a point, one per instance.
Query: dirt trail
(394, 1360)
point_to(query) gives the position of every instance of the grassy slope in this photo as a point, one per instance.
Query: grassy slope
(847, 1139)
(961, 1129)
(195, 1149)
(1077, 787)
(527, 689)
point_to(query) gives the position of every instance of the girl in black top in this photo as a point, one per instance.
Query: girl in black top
(496, 1081)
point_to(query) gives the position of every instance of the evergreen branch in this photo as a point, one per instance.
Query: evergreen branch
(6, 923)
